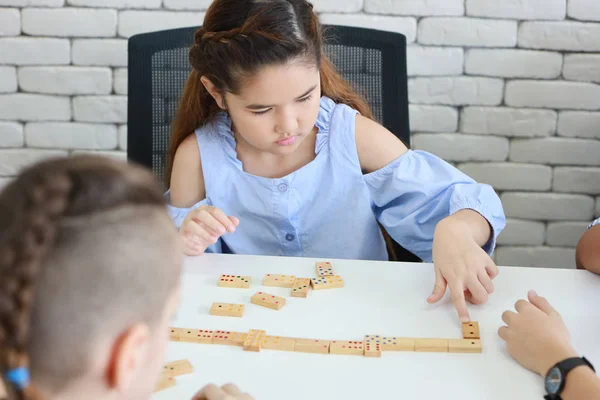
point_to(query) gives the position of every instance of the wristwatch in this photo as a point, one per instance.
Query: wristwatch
(556, 377)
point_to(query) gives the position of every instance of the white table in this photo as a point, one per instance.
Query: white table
(378, 298)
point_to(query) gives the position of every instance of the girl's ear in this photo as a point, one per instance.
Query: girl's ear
(214, 92)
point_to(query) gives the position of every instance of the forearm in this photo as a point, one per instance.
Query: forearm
(588, 250)
(582, 383)
(470, 221)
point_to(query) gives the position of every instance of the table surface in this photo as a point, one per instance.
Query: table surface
(381, 298)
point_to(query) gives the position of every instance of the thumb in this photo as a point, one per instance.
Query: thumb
(439, 288)
(541, 303)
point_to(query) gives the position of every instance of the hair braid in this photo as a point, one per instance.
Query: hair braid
(43, 204)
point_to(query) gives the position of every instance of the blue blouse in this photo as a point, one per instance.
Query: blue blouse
(329, 208)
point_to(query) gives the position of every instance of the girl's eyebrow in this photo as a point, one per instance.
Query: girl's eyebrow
(261, 106)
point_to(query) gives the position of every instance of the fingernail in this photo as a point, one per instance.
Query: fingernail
(533, 293)
(464, 319)
(231, 228)
(221, 230)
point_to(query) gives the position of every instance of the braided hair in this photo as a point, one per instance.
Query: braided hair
(48, 215)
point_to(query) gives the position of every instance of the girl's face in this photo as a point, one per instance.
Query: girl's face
(277, 109)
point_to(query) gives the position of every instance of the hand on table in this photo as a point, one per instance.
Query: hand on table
(536, 335)
(203, 226)
(225, 392)
(462, 266)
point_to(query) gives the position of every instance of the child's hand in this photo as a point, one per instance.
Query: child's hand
(536, 335)
(463, 266)
(203, 227)
(225, 392)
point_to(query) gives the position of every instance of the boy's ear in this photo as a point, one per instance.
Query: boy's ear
(127, 357)
(214, 92)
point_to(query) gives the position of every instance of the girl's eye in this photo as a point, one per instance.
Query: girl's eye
(307, 98)
(260, 112)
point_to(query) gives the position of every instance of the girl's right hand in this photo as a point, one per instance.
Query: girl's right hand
(203, 227)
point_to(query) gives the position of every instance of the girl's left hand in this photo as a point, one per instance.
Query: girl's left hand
(463, 266)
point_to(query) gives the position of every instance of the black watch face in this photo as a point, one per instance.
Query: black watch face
(553, 381)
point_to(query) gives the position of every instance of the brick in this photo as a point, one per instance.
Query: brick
(11, 134)
(555, 94)
(577, 180)
(521, 9)
(586, 10)
(123, 137)
(406, 26)
(567, 35)
(523, 233)
(10, 22)
(510, 122)
(14, 160)
(456, 91)
(32, 3)
(548, 206)
(433, 118)
(543, 257)
(72, 135)
(458, 147)
(65, 80)
(513, 63)
(187, 4)
(118, 155)
(119, 4)
(100, 52)
(510, 176)
(100, 109)
(34, 107)
(135, 22)
(120, 81)
(342, 6)
(467, 32)
(579, 124)
(565, 233)
(69, 22)
(35, 51)
(8, 79)
(431, 61)
(556, 151)
(582, 67)
(416, 7)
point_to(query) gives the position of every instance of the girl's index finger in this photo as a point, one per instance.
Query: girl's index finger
(223, 219)
(458, 299)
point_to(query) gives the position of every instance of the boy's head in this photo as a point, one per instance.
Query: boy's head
(262, 61)
(89, 278)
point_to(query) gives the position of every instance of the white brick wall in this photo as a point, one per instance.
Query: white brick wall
(69, 22)
(579, 124)
(509, 90)
(8, 79)
(555, 94)
(571, 36)
(513, 63)
(10, 22)
(415, 7)
(467, 32)
(65, 80)
(508, 121)
(582, 67)
(585, 10)
(520, 9)
(34, 51)
(456, 91)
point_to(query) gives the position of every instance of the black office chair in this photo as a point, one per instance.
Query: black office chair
(374, 62)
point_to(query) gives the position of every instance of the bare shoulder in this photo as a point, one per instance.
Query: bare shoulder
(187, 180)
(376, 146)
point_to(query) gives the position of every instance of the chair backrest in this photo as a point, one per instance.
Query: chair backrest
(159, 66)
